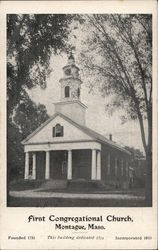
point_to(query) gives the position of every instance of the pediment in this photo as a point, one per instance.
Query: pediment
(45, 133)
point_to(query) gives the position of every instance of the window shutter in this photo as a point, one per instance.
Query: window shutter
(53, 131)
(62, 131)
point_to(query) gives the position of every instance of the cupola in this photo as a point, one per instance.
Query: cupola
(70, 104)
(71, 81)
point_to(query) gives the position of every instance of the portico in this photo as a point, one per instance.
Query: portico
(94, 161)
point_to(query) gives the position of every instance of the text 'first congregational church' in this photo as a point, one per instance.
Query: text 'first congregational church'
(63, 148)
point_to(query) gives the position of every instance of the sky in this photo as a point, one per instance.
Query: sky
(96, 117)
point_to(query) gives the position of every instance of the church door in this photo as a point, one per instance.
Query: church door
(64, 170)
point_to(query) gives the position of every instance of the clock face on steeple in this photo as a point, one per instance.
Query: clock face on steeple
(71, 82)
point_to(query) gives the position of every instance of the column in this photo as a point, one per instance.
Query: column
(47, 169)
(98, 165)
(93, 168)
(69, 167)
(26, 165)
(34, 167)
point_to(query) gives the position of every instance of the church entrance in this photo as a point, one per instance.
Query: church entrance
(81, 164)
(40, 165)
(58, 164)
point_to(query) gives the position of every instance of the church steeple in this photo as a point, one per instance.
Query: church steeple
(70, 104)
(71, 81)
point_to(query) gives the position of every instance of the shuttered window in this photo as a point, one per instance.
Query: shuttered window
(115, 166)
(122, 167)
(58, 130)
(109, 160)
(127, 168)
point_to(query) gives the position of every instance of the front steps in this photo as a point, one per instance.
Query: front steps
(54, 184)
(76, 185)
(87, 185)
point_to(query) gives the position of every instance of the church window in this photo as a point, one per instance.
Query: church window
(67, 91)
(58, 130)
(78, 92)
(122, 167)
(68, 72)
(109, 163)
(127, 168)
(116, 166)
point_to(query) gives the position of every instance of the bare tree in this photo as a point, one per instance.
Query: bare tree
(119, 56)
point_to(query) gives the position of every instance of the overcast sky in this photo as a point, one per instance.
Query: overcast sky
(96, 116)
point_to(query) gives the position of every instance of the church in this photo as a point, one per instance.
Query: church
(64, 148)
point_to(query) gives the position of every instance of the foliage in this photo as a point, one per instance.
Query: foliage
(27, 118)
(15, 151)
(31, 39)
(119, 60)
(135, 153)
(117, 54)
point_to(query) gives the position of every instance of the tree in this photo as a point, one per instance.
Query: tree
(28, 116)
(31, 40)
(118, 55)
(15, 152)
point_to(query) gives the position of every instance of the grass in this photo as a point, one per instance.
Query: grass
(60, 202)
(21, 184)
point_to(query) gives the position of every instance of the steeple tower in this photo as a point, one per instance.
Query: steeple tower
(71, 81)
(70, 104)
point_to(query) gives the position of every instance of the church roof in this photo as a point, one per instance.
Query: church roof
(71, 102)
(85, 129)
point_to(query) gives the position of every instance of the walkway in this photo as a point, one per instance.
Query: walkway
(37, 193)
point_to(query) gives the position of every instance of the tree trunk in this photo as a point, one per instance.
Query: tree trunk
(148, 181)
(148, 151)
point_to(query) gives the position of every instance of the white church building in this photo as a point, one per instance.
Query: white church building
(65, 148)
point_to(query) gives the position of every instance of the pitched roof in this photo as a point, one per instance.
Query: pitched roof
(85, 129)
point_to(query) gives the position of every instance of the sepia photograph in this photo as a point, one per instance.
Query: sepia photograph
(79, 110)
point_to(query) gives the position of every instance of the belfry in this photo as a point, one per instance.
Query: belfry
(64, 149)
(70, 104)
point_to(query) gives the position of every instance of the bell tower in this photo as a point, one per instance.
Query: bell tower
(71, 81)
(70, 104)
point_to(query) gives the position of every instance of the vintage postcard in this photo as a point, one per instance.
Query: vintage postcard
(78, 124)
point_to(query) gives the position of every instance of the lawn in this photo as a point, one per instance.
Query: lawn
(65, 202)
(22, 185)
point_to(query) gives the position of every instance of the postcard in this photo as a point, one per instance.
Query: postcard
(78, 124)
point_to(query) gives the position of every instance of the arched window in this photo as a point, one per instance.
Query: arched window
(78, 92)
(68, 72)
(58, 130)
(67, 91)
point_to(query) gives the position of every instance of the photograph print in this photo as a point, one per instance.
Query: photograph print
(79, 110)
